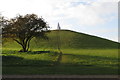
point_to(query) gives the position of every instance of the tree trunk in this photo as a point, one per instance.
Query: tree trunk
(24, 44)
(24, 48)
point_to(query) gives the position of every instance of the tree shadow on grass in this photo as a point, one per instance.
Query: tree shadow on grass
(29, 52)
(38, 52)
(19, 61)
(85, 59)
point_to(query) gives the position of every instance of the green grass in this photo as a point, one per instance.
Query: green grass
(83, 54)
(82, 61)
(68, 40)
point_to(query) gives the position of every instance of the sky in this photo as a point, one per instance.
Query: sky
(94, 17)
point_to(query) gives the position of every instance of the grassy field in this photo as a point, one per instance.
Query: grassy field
(96, 61)
(68, 40)
(82, 54)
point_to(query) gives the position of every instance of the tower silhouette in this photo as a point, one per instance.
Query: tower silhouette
(58, 37)
(58, 27)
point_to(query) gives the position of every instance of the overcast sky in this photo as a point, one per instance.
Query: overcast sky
(94, 17)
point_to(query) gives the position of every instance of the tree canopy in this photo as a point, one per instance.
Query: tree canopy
(23, 29)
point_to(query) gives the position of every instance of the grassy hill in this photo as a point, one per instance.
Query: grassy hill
(82, 54)
(70, 39)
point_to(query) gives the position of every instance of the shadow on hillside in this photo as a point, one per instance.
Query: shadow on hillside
(6, 58)
(56, 67)
(90, 57)
(11, 60)
(86, 59)
(19, 61)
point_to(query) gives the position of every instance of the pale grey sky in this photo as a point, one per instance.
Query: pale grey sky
(94, 17)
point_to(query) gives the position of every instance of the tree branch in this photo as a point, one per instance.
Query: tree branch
(17, 41)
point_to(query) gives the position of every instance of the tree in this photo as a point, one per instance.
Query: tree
(23, 29)
(3, 22)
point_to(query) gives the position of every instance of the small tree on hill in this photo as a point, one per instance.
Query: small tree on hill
(23, 29)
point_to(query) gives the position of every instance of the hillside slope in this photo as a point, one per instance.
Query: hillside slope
(70, 39)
